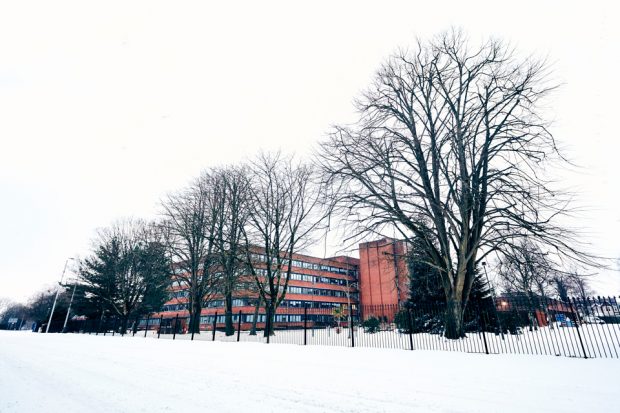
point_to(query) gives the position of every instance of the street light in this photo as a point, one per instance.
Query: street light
(47, 329)
(64, 327)
(350, 309)
(501, 330)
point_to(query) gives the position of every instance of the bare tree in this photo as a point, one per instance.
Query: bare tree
(451, 135)
(190, 222)
(526, 272)
(525, 268)
(285, 209)
(231, 246)
(579, 285)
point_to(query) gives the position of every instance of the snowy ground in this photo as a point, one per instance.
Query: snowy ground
(78, 373)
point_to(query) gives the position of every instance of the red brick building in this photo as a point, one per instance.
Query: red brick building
(378, 280)
(383, 277)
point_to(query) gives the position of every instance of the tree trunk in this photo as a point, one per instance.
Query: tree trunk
(255, 319)
(228, 315)
(269, 318)
(454, 319)
(124, 322)
(532, 310)
(194, 322)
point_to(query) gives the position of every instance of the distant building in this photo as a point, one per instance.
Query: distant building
(377, 282)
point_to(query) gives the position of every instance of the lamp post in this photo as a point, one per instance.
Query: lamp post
(501, 330)
(64, 327)
(350, 309)
(47, 329)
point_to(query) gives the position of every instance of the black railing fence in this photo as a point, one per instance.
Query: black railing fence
(517, 324)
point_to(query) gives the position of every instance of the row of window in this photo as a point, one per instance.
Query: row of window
(308, 304)
(308, 278)
(291, 289)
(294, 276)
(248, 302)
(310, 266)
(178, 294)
(174, 307)
(316, 291)
(279, 318)
(261, 318)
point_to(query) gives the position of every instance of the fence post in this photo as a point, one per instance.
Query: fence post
(176, 325)
(583, 348)
(148, 318)
(352, 332)
(135, 327)
(239, 327)
(214, 326)
(267, 322)
(410, 327)
(481, 327)
(305, 325)
(161, 319)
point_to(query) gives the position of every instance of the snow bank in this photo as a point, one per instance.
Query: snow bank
(77, 373)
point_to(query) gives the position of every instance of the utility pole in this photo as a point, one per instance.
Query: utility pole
(47, 329)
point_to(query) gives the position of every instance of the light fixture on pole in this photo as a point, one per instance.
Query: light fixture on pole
(47, 329)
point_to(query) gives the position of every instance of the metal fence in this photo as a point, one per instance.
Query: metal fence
(514, 324)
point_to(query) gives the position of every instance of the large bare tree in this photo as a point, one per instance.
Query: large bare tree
(452, 135)
(234, 194)
(285, 209)
(190, 221)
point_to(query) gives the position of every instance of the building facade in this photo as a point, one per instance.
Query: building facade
(319, 292)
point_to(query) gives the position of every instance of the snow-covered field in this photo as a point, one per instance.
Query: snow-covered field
(79, 373)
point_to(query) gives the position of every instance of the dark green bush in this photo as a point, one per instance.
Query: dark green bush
(371, 325)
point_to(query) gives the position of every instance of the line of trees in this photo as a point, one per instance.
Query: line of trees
(210, 236)
(233, 229)
(36, 310)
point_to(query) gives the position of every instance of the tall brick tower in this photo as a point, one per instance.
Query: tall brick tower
(383, 275)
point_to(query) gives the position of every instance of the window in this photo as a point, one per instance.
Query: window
(295, 290)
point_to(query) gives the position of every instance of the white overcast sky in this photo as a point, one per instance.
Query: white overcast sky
(107, 106)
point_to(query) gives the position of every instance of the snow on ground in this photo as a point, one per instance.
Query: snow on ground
(78, 373)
